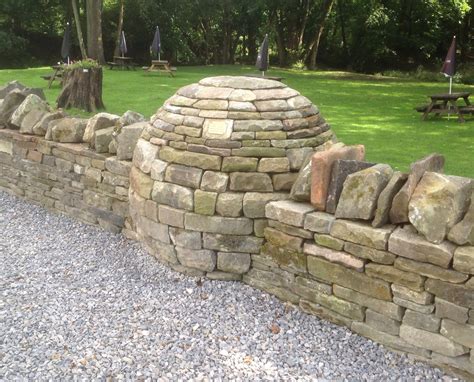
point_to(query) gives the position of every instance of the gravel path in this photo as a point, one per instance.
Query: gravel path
(80, 302)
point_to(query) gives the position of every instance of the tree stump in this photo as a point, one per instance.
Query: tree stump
(82, 89)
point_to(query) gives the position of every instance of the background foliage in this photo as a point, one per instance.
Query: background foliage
(362, 35)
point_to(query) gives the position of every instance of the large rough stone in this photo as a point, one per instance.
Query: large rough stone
(31, 102)
(321, 167)
(173, 195)
(102, 139)
(464, 260)
(68, 130)
(399, 209)
(438, 203)
(141, 183)
(301, 189)
(384, 203)
(182, 175)
(362, 233)
(98, 122)
(422, 321)
(201, 259)
(186, 239)
(382, 323)
(319, 222)
(10, 103)
(41, 127)
(31, 120)
(420, 298)
(129, 118)
(463, 232)
(431, 341)
(446, 309)
(214, 181)
(230, 204)
(288, 212)
(12, 85)
(361, 191)
(144, 155)
(233, 262)
(341, 169)
(337, 257)
(407, 243)
(339, 275)
(128, 138)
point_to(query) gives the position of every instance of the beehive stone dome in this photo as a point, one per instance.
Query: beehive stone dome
(207, 164)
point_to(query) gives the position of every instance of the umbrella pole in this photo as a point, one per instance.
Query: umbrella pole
(450, 84)
(159, 56)
(263, 73)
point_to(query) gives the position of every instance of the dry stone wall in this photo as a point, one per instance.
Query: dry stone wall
(242, 179)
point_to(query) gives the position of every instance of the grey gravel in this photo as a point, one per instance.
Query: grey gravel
(80, 303)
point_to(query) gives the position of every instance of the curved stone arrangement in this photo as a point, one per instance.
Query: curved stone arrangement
(215, 154)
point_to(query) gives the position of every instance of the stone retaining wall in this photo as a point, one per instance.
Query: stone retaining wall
(68, 178)
(386, 283)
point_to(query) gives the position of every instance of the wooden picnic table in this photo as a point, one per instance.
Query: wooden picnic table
(56, 75)
(446, 103)
(122, 63)
(161, 66)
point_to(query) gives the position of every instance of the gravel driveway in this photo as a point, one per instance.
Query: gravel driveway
(77, 301)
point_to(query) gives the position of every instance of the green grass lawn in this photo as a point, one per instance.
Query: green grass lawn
(377, 112)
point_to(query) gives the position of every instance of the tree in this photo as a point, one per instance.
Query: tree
(119, 28)
(80, 36)
(95, 46)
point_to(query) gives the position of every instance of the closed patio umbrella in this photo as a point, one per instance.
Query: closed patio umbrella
(66, 45)
(123, 44)
(156, 44)
(262, 57)
(449, 65)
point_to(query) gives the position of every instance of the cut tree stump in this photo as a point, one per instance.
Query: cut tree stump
(82, 89)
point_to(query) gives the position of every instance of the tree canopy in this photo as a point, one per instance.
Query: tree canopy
(364, 35)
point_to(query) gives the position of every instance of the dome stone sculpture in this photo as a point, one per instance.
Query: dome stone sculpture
(207, 164)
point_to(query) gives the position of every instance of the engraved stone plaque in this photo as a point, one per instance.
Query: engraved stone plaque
(217, 128)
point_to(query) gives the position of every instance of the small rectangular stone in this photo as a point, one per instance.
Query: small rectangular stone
(183, 175)
(148, 227)
(288, 212)
(464, 259)
(386, 339)
(290, 230)
(185, 239)
(306, 288)
(362, 233)
(446, 309)
(258, 152)
(233, 262)
(406, 243)
(393, 275)
(421, 321)
(328, 241)
(209, 150)
(430, 270)
(201, 259)
(171, 216)
(282, 279)
(457, 294)
(284, 182)
(274, 165)
(320, 222)
(204, 161)
(283, 240)
(254, 202)
(382, 323)
(285, 258)
(232, 164)
(431, 341)
(232, 243)
(334, 256)
(250, 181)
(173, 195)
(205, 202)
(461, 334)
(324, 313)
(425, 309)
(421, 298)
(218, 224)
(381, 257)
(386, 308)
(334, 273)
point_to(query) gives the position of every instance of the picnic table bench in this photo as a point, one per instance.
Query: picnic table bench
(446, 103)
(57, 75)
(160, 66)
(121, 63)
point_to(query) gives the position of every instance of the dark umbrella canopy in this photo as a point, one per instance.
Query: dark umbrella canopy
(262, 58)
(156, 44)
(449, 66)
(123, 44)
(66, 46)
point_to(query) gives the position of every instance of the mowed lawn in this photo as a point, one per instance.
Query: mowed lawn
(374, 111)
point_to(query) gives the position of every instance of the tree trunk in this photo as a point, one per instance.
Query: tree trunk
(82, 89)
(80, 36)
(119, 28)
(95, 46)
(314, 47)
